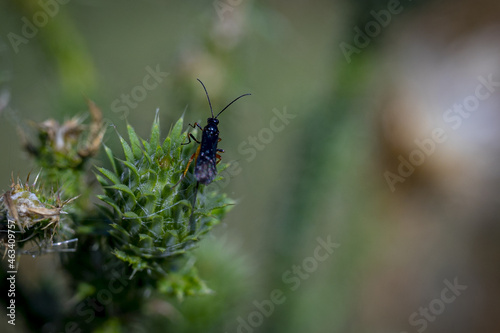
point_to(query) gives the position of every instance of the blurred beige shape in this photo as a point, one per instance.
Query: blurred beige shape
(444, 216)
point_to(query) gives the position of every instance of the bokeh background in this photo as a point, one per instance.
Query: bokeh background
(360, 82)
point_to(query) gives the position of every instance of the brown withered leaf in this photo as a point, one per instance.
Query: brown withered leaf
(96, 132)
(12, 209)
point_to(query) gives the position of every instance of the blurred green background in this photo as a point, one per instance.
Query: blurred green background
(320, 175)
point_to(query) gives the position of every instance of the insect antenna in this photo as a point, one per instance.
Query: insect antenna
(210, 103)
(206, 92)
(237, 98)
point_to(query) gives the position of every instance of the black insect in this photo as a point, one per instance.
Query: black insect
(206, 155)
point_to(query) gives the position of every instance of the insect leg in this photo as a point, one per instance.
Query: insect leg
(191, 138)
(219, 158)
(195, 155)
(196, 125)
(220, 151)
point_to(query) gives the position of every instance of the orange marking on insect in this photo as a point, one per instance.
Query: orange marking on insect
(195, 155)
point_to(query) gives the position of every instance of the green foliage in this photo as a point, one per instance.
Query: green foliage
(150, 215)
(63, 150)
(138, 239)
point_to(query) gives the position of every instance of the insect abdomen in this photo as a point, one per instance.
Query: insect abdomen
(205, 169)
